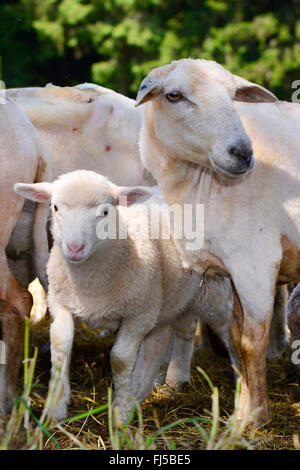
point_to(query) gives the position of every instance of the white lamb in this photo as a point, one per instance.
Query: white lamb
(134, 285)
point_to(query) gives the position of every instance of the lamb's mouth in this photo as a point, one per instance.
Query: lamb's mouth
(74, 260)
(233, 172)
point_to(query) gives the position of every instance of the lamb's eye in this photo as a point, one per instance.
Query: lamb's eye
(173, 96)
(55, 208)
(105, 213)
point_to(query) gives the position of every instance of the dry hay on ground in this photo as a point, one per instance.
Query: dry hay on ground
(90, 377)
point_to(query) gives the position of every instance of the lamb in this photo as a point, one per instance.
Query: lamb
(195, 139)
(114, 283)
(23, 239)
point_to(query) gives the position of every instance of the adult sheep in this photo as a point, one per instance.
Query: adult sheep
(195, 140)
(88, 127)
(23, 237)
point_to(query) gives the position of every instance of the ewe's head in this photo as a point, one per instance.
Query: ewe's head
(80, 201)
(191, 104)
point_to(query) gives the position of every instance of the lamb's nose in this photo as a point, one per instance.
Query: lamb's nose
(75, 248)
(242, 153)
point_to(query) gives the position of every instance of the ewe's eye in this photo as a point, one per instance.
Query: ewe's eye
(55, 208)
(173, 96)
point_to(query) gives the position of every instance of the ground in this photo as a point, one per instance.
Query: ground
(90, 377)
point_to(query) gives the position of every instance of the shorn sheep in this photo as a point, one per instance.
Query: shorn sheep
(23, 237)
(195, 140)
(87, 127)
(135, 285)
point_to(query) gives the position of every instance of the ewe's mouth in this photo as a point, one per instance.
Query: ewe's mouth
(233, 172)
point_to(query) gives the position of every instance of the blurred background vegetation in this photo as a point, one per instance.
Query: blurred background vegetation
(116, 42)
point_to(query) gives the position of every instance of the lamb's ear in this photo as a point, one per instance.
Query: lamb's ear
(126, 195)
(38, 192)
(252, 93)
(149, 88)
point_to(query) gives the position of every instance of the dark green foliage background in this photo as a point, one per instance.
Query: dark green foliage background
(116, 42)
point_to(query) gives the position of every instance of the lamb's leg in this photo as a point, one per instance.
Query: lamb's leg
(215, 304)
(179, 370)
(152, 361)
(278, 338)
(293, 317)
(123, 358)
(61, 336)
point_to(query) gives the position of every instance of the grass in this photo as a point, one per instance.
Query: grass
(200, 417)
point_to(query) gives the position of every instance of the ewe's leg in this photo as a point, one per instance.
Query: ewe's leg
(250, 335)
(12, 328)
(61, 336)
(123, 358)
(293, 317)
(15, 305)
(278, 338)
(40, 239)
(16, 301)
(179, 370)
(152, 361)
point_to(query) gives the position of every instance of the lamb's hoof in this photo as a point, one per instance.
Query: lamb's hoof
(59, 414)
(121, 412)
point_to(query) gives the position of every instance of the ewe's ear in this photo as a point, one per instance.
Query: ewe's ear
(252, 93)
(38, 192)
(149, 88)
(132, 194)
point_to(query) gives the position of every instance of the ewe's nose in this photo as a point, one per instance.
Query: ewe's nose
(242, 153)
(75, 248)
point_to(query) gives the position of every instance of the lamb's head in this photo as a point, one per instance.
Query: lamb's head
(80, 201)
(191, 111)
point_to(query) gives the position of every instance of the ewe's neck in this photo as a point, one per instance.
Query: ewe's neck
(185, 182)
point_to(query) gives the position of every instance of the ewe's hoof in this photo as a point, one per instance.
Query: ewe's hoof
(257, 417)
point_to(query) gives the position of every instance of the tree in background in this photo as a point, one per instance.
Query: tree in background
(117, 42)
